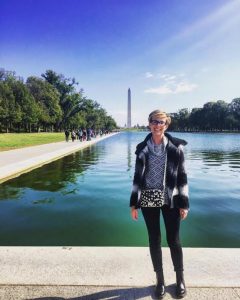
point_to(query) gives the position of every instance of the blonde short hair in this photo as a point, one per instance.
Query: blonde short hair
(159, 114)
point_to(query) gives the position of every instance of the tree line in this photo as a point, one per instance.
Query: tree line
(51, 102)
(213, 116)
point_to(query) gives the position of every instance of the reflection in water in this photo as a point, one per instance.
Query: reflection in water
(53, 176)
(44, 201)
(83, 199)
(9, 192)
(217, 158)
(129, 152)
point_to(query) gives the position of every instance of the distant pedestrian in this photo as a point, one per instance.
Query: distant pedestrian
(80, 134)
(73, 135)
(84, 134)
(67, 133)
(77, 134)
(89, 134)
(160, 187)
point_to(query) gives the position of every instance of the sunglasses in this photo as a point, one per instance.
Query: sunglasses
(156, 122)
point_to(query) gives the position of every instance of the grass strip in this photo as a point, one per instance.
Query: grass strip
(10, 141)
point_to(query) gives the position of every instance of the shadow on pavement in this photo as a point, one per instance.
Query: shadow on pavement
(117, 294)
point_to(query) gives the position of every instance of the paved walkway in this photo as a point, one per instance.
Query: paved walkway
(106, 292)
(113, 273)
(18, 161)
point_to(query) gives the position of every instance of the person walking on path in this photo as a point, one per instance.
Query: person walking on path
(80, 132)
(160, 187)
(89, 131)
(67, 135)
(84, 134)
(73, 135)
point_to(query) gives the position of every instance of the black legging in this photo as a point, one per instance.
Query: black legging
(172, 220)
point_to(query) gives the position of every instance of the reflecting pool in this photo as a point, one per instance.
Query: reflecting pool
(83, 199)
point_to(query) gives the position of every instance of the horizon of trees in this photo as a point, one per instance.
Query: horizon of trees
(214, 116)
(51, 102)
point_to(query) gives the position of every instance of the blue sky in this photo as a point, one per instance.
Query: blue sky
(172, 54)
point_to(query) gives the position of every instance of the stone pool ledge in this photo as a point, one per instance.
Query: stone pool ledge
(126, 272)
(15, 162)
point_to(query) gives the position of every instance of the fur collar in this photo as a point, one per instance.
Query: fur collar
(175, 141)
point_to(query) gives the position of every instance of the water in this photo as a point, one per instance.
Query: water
(83, 199)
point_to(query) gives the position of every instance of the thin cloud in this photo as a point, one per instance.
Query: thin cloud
(167, 77)
(162, 90)
(184, 87)
(163, 76)
(177, 88)
(148, 75)
(172, 84)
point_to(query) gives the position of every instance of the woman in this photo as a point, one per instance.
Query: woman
(160, 184)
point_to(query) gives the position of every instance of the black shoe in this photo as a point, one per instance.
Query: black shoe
(160, 287)
(181, 288)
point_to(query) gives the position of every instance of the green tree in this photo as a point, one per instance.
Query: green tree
(195, 119)
(110, 123)
(220, 112)
(10, 111)
(47, 99)
(29, 108)
(234, 114)
(214, 114)
(71, 101)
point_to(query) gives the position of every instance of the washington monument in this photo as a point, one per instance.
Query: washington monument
(129, 125)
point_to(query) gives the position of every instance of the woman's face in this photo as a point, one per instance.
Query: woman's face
(158, 126)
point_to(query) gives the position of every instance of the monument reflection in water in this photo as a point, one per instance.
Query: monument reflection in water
(83, 199)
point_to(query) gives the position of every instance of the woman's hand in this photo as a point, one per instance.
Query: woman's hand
(134, 213)
(183, 213)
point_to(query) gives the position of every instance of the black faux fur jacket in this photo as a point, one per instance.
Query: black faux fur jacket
(176, 176)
